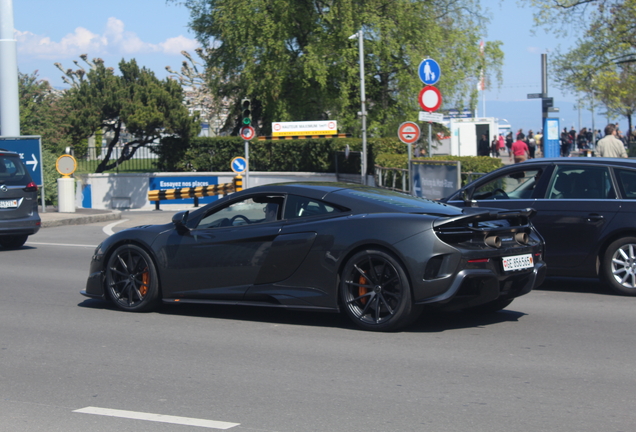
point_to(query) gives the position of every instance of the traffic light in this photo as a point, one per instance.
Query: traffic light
(247, 113)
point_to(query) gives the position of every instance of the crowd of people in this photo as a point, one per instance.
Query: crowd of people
(613, 143)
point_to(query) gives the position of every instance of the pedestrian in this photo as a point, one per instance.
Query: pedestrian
(520, 148)
(610, 146)
(509, 143)
(565, 143)
(483, 148)
(502, 143)
(494, 146)
(531, 143)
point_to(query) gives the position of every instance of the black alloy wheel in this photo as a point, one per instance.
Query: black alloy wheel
(376, 293)
(13, 242)
(619, 265)
(131, 279)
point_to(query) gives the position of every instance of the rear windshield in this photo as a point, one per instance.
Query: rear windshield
(12, 172)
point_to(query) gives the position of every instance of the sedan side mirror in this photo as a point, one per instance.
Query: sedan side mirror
(180, 221)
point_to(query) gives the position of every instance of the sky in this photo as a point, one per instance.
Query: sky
(154, 32)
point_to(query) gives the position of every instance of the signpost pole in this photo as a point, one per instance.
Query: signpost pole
(247, 168)
(363, 113)
(430, 149)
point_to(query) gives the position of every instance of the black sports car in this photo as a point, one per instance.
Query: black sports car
(586, 212)
(379, 255)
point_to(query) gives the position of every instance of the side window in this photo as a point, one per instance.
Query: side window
(627, 183)
(297, 207)
(513, 185)
(581, 182)
(258, 209)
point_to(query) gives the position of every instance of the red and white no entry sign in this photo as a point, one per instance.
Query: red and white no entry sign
(247, 132)
(409, 132)
(430, 98)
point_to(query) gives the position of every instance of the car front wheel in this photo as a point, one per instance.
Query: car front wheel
(376, 293)
(131, 279)
(619, 266)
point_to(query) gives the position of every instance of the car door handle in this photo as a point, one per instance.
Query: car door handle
(594, 217)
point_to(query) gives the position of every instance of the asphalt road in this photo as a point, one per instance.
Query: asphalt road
(558, 359)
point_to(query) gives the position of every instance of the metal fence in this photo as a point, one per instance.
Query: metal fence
(398, 178)
(145, 159)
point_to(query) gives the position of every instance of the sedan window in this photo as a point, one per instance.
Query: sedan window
(298, 207)
(512, 185)
(581, 182)
(627, 183)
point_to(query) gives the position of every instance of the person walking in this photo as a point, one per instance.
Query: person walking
(520, 148)
(484, 148)
(610, 146)
(531, 143)
(494, 146)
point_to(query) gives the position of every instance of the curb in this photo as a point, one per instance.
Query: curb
(79, 219)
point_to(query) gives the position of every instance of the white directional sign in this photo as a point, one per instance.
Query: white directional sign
(431, 117)
(408, 132)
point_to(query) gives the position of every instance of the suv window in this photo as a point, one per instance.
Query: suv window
(513, 185)
(12, 172)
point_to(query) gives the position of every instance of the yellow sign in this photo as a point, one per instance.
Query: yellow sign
(66, 165)
(322, 127)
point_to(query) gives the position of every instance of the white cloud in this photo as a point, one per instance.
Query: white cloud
(115, 40)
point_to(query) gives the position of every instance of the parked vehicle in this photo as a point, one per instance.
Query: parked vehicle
(586, 212)
(18, 202)
(378, 255)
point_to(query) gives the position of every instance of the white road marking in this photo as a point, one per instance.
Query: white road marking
(187, 421)
(108, 229)
(61, 244)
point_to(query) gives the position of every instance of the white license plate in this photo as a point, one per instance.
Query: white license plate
(8, 203)
(517, 262)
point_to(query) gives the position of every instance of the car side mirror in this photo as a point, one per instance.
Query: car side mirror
(467, 201)
(180, 221)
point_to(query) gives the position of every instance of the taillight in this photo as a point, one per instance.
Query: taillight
(31, 187)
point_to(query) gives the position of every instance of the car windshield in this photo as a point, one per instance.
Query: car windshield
(12, 172)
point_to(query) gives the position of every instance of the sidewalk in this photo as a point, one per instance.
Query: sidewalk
(53, 218)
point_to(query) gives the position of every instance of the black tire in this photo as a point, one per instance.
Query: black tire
(13, 242)
(619, 266)
(375, 292)
(131, 279)
(490, 307)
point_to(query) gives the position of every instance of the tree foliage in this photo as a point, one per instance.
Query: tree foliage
(295, 61)
(135, 101)
(602, 62)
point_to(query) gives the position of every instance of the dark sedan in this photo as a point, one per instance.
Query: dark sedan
(378, 255)
(586, 212)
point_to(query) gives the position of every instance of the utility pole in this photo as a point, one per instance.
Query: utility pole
(363, 113)
(9, 102)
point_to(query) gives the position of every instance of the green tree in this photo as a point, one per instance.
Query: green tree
(295, 61)
(135, 101)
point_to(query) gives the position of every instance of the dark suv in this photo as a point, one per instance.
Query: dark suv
(18, 202)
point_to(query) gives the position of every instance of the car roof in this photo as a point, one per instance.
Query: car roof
(8, 152)
(359, 198)
(580, 160)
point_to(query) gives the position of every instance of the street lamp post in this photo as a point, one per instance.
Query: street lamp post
(359, 35)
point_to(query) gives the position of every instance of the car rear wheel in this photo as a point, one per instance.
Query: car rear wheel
(375, 292)
(619, 266)
(13, 242)
(131, 279)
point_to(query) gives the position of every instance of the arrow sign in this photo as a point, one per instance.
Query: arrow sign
(238, 164)
(430, 98)
(33, 162)
(408, 132)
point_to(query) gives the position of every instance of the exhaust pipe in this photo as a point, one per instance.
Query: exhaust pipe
(493, 241)
(521, 238)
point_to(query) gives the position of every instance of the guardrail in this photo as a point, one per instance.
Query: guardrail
(195, 192)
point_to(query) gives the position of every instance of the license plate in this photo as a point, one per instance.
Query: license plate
(518, 262)
(8, 203)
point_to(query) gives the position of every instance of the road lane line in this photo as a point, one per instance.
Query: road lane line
(60, 244)
(187, 421)
(108, 229)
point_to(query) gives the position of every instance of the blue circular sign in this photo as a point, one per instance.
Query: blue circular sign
(429, 71)
(238, 164)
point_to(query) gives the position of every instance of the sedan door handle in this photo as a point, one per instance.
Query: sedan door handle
(594, 217)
